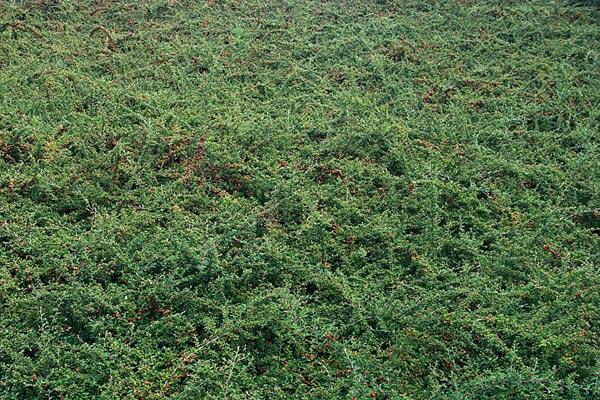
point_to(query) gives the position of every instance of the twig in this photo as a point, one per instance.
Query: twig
(409, 44)
(19, 25)
(101, 7)
(107, 35)
(233, 364)
(97, 10)
(196, 162)
(173, 376)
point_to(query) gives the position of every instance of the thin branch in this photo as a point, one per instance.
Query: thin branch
(22, 26)
(107, 35)
(233, 364)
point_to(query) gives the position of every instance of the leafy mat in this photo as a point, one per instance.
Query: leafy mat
(299, 199)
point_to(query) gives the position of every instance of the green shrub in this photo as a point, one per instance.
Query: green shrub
(222, 199)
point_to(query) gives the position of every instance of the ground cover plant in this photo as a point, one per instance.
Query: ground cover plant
(299, 199)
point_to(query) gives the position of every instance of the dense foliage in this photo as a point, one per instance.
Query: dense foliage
(299, 199)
